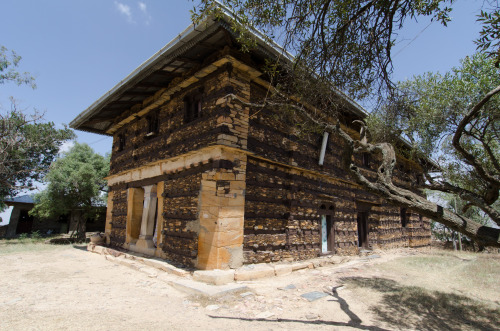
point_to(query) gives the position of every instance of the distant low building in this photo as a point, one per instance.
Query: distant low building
(21, 222)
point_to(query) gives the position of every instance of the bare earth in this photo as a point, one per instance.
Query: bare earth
(68, 288)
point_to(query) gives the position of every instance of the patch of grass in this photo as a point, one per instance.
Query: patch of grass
(462, 273)
(24, 243)
(412, 307)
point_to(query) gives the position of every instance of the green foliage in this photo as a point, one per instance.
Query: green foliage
(489, 37)
(345, 42)
(27, 148)
(36, 235)
(429, 110)
(75, 182)
(8, 72)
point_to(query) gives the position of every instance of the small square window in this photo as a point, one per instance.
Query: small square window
(366, 159)
(153, 124)
(193, 106)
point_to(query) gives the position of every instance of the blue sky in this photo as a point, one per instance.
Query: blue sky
(79, 49)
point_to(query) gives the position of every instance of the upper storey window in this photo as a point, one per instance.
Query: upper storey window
(153, 124)
(121, 142)
(192, 106)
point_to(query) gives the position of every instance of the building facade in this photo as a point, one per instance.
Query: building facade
(201, 180)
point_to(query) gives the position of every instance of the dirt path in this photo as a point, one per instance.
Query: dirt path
(69, 288)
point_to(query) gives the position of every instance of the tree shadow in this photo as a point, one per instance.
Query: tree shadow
(354, 320)
(354, 325)
(411, 307)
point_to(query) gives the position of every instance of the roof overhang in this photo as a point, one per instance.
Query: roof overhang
(171, 61)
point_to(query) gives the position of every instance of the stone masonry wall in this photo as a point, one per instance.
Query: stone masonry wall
(174, 136)
(292, 229)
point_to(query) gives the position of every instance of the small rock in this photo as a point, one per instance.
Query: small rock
(243, 295)
(212, 307)
(288, 287)
(311, 316)
(312, 296)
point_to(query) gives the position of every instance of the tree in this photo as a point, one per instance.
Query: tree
(345, 47)
(27, 145)
(430, 111)
(8, 72)
(75, 184)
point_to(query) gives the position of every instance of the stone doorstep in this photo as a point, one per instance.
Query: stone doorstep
(137, 259)
(216, 277)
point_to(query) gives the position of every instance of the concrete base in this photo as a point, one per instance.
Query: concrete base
(143, 246)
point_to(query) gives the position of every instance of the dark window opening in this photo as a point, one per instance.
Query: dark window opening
(366, 157)
(192, 106)
(404, 217)
(121, 142)
(153, 124)
(421, 220)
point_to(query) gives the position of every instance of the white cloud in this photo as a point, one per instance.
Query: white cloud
(125, 10)
(143, 8)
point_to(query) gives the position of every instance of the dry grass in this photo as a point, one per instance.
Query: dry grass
(24, 244)
(472, 274)
(437, 291)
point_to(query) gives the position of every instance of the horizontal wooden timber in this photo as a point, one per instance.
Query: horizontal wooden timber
(178, 234)
(171, 146)
(182, 252)
(118, 225)
(177, 164)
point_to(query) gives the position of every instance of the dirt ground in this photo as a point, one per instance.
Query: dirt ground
(67, 288)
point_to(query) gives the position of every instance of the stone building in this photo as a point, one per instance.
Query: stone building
(202, 181)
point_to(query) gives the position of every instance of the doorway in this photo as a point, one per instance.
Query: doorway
(363, 229)
(327, 229)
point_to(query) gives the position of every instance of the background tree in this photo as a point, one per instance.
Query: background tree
(9, 61)
(27, 144)
(75, 185)
(430, 110)
(345, 47)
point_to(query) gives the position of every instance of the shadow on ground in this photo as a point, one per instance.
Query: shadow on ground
(355, 321)
(411, 307)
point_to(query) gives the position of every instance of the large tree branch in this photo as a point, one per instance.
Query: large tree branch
(473, 198)
(484, 173)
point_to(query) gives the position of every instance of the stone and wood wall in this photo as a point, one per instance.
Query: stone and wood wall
(237, 185)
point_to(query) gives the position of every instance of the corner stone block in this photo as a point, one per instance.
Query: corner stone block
(215, 277)
(229, 238)
(253, 271)
(231, 224)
